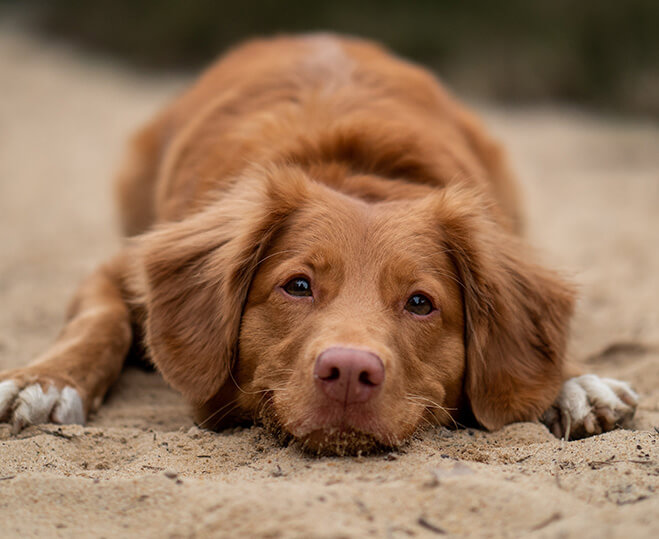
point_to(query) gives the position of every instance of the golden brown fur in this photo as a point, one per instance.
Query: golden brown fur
(326, 157)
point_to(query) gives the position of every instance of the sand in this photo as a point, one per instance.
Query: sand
(140, 466)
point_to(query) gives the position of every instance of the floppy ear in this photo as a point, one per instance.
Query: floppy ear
(516, 315)
(196, 274)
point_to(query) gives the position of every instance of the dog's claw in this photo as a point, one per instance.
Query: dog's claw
(589, 424)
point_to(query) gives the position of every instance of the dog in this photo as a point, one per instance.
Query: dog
(320, 238)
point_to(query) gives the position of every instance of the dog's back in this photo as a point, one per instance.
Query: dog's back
(320, 99)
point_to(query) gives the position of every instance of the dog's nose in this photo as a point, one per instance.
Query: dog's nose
(347, 375)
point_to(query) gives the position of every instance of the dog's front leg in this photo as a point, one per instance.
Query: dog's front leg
(72, 377)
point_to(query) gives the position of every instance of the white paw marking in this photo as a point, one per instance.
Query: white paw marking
(582, 397)
(68, 409)
(32, 405)
(8, 392)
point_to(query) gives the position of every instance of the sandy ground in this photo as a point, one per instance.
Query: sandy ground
(140, 467)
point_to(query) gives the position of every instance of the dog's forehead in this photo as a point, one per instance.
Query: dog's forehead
(344, 227)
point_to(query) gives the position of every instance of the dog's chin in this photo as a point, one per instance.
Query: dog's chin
(334, 441)
(327, 441)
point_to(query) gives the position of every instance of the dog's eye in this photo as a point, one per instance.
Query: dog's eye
(419, 304)
(298, 286)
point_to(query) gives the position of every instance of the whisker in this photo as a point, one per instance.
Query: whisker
(221, 408)
(276, 372)
(432, 402)
(227, 412)
(211, 416)
(448, 275)
(274, 254)
(432, 405)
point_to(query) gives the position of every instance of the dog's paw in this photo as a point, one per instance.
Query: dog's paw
(29, 401)
(590, 405)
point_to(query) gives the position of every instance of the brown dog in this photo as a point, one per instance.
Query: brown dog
(326, 241)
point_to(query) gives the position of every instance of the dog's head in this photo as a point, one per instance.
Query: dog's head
(347, 323)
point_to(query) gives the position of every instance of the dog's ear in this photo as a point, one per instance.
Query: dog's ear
(196, 274)
(516, 314)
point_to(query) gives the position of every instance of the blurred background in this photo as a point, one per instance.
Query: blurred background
(596, 53)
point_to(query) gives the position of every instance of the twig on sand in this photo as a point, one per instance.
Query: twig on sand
(553, 518)
(423, 522)
(58, 433)
(527, 456)
(597, 464)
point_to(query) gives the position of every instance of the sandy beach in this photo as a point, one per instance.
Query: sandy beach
(141, 468)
